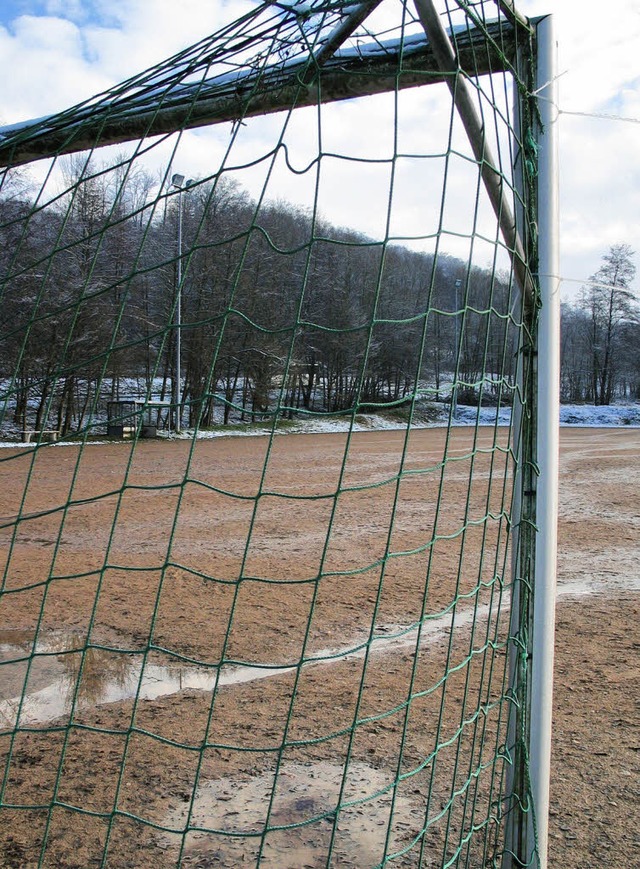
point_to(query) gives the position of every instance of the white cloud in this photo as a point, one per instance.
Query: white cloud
(599, 178)
(73, 9)
(44, 68)
(152, 31)
(82, 47)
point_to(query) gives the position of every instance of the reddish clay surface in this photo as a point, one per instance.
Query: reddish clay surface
(121, 586)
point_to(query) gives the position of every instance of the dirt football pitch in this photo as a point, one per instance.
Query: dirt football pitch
(141, 696)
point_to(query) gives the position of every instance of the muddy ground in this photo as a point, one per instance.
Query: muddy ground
(156, 595)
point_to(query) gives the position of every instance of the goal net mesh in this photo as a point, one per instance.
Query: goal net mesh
(266, 420)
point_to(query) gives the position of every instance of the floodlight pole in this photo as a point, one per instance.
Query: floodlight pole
(458, 351)
(178, 183)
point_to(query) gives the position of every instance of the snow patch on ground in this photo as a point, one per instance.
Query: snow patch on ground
(576, 415)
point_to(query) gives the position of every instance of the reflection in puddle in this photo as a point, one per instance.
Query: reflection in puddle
(62, 675)
(83, 680)
(97, 677)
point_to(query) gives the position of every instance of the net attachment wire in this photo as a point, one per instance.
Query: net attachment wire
(273, 649)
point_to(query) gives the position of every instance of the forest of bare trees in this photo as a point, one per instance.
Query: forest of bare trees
(278, 308)
(601, 335)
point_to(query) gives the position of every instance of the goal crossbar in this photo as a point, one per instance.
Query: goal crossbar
(370, 68)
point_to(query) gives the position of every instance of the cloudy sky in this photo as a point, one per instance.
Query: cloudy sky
(53, 53)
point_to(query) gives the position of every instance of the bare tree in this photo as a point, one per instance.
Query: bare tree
(609, 303)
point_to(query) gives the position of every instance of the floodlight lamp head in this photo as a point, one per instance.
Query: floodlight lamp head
(177, 180)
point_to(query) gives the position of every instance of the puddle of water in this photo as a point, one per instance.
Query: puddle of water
(106, 677)
(109, 677)
(393, 638)
(305, 800)
(585, 587)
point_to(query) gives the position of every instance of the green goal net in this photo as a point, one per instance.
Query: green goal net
(268, 324)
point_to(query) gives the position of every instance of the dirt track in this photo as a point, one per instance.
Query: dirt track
(176, 611)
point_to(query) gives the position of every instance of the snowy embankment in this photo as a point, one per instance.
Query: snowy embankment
(570, 415)
(619, 415)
